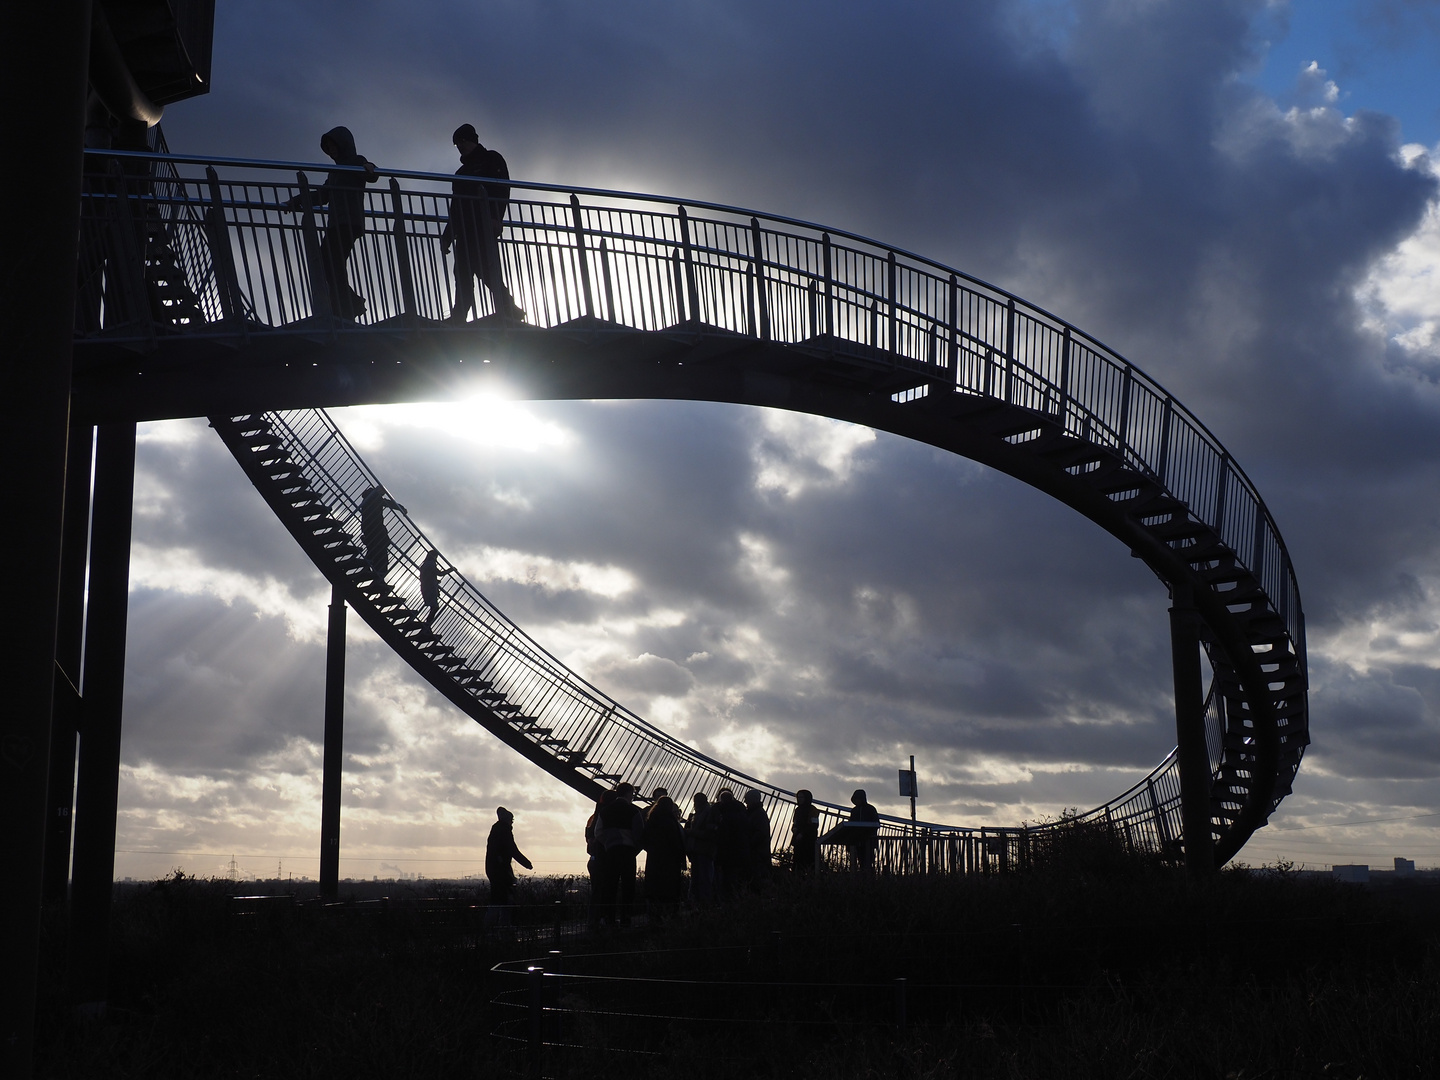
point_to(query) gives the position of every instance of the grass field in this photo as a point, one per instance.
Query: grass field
(1055, 973)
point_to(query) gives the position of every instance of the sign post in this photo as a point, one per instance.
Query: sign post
(909, 787)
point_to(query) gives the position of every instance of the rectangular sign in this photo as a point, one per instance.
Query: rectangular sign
(908, 785)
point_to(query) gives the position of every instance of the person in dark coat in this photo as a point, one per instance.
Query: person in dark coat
(344, 193)
(702, 833)
(621, 827)
(863, 831)
(664, 842)
(430, 575)
(373, 533)
(477, 217)
(804, 832)
(602, 883)
(757, 835)
(500, 849)
(732, 848)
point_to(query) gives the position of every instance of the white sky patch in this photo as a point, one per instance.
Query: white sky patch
(1386, 639)
(797, 451)
(505, 564)
(485, 420)
(1401, 296)
(181, 570)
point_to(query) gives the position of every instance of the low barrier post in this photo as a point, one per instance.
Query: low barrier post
(900, 1004)
(537, 1018)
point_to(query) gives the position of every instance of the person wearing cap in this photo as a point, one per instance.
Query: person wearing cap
(477, 217)
(500, 849)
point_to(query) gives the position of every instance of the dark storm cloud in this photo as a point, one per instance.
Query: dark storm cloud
(1116, 170)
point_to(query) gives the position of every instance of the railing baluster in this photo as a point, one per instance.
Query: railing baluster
(401, 235)
(829, 321)
(891, 285)
(319, 283)
(1065, 377)
(692, 295)
(761, 290)
(953, 297)
(609, 288)
(580, 253)
(222, 257)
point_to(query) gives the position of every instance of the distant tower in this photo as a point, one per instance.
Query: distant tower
(234, 870)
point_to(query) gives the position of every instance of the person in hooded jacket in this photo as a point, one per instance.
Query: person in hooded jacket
(757, 832)
(344, 193)
(804, 832)
(477, 217)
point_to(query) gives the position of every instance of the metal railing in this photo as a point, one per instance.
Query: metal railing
(626, 262)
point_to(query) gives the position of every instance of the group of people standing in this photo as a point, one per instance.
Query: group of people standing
(726, 843)
(479, 198)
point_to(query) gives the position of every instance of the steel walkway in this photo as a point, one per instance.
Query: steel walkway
(202, 294)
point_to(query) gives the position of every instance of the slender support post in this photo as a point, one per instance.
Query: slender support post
(1123, 431)
(581, 254)
(757, 247)
(892, 285)
(1164, 465)
(1257, 557)
(1064, 377)
(98, 781)
(536, 1046)
(1010, 350)
(400, 231)
(319, 281)
(953, 307)
(222, 256)
(900, 1017)
(1221, 484)
(692, 295)
(609, 285)
(69, 645)
(1194, 757)
(333, 770)
(827, 266)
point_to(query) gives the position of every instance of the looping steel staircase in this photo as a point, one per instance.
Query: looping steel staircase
(631, 296)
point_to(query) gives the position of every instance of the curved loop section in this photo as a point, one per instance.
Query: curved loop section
(839, 324)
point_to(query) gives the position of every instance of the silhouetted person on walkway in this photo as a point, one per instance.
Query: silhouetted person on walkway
(757, 834)
(732, 849)
(702, 833)
(602, 882)
(344, 192)
(664, 842)
(477, 217)
(863, 832)
(804, 832)
(430, 575)
(500, 848)
(621, 827)
(373, 532)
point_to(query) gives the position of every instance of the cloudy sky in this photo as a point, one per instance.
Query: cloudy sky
(1239, 196)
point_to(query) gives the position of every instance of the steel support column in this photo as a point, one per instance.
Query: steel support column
(98, 781)
(333, 774)
(1194, 757)
(69, 643)
(44, 51)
